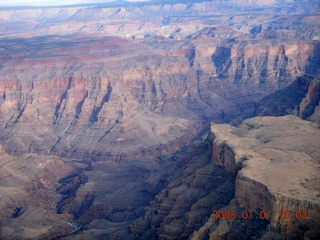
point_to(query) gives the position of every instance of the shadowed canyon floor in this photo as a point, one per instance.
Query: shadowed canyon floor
(105, 115)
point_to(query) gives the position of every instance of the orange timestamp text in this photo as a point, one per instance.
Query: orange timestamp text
(263, 214)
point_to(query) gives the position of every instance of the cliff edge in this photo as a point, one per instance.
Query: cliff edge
(277, 166)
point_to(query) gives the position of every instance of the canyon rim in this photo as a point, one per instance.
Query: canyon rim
(144, 120)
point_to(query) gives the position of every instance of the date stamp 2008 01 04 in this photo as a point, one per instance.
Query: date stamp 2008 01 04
(263, 214)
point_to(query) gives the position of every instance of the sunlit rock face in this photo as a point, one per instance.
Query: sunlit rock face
(131, 97)
(276, 179)
(104, 112)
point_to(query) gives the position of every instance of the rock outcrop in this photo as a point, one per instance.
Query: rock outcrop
(133, 96)
(301, 98)
(28, 203)
(103, 111)
(188, 197)
(278, 180)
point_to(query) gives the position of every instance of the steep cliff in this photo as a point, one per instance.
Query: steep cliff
(268, 177)
(100, 106)
(301, 98)
(131, 98)
(277, 184)
(167, 68)
(188, 197)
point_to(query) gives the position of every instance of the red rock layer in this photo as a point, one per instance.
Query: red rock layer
(120, 96)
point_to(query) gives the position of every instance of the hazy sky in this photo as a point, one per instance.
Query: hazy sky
(51, 2)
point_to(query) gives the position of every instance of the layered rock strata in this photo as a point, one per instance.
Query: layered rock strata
(107, 86)
(170, 20)
(279, 175)
(130, 98)
(254, 167)
(189, 196)
(142, 80)
(301, 98)
(28, 198)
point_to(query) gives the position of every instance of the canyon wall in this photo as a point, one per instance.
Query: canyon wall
(278, 179)
(131, 94)
(301, 98)
(103, 111)
(189, 196)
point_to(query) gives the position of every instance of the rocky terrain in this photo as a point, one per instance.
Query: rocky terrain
(275, 172)
(144, 93)
(105, 111)
(301, 98)
(28, 195)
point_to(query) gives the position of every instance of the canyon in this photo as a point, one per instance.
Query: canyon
(114, 120)
(275, 172)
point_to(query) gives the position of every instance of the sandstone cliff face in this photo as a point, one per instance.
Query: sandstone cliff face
(309, 105)
(86, 101)
(119, 94)
(256, 165)
(107, 86)
(148, 88)
(301, 98)
(190, 194)
(279, 174)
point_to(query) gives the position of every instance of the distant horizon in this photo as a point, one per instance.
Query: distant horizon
(58, 2)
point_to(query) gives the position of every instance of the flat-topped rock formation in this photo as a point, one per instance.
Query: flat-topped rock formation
(104, 110)
(143, 79)
(132, 97)
(276, 162)
(268, 164)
